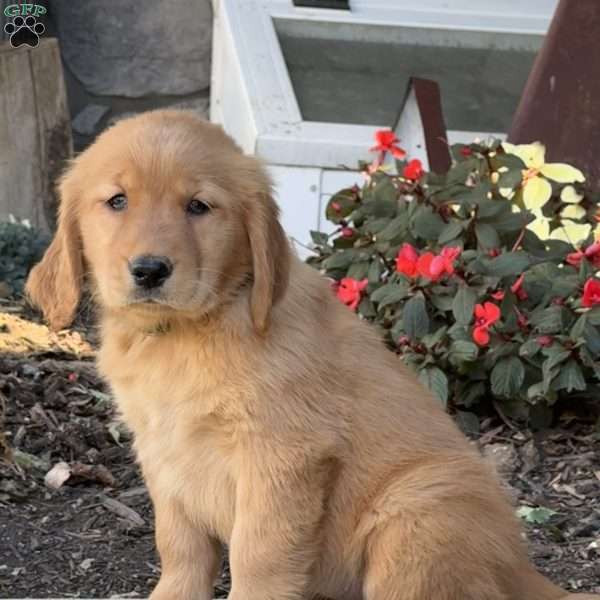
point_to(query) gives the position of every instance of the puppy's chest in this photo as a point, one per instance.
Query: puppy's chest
(186, 440)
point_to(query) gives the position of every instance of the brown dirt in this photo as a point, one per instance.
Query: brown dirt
(93, 536)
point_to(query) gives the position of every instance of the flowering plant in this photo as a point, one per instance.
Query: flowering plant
(482, 279)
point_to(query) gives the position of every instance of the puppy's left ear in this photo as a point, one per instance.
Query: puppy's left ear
(54, 284)
(270, 260)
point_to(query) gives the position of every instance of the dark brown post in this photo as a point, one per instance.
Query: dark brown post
(560, 105)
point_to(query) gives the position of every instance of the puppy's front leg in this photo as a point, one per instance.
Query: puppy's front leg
(275, 539)
(190, 558)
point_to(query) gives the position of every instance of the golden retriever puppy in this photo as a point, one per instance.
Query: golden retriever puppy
(266, 416)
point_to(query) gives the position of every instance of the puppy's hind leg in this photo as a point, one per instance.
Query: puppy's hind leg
(412, 561)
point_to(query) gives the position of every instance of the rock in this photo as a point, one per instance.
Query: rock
(86, 122)
(124, 49)
(504, 457)
(199, 106)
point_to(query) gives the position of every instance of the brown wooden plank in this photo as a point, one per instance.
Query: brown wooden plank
(35, 135)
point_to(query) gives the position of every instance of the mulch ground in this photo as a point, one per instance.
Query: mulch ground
(76, 521)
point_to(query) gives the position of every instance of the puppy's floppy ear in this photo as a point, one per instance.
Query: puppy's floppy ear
(54, 284)
(270, 260)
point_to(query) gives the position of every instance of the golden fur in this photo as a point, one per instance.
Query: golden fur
(266, 415)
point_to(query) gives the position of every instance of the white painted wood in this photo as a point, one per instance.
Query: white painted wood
(410, 131)
(297, 192)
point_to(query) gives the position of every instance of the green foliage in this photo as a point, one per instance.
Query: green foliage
(20, 248)
(464, 289)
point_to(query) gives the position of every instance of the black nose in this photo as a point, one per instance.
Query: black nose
(150, 271)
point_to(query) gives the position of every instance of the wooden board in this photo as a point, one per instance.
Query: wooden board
(35, 131)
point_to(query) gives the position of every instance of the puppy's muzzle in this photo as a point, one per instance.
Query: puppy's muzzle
(150, 272)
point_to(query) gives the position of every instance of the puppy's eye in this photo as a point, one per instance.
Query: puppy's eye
(197, 207)
(118, 202)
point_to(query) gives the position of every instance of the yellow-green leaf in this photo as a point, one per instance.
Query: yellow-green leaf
(562, 173)
(536, 192)
(570, 196)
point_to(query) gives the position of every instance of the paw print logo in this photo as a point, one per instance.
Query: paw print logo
(24, 31)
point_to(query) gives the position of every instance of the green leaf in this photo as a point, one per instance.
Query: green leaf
(397, 227)
(592, 340)
(535, 516)
(507, 377)
(549, 320)
(375, 271)
(415, 318)
(462, 351)
(468, 422)
(339, 260)
(529, 348)
(390, 293)
(487, 236)
(464, 304)
(366, 308)
(426, 224)
(509, 263)
(319, 238)
(450, 232)
(569, 378)
(436, 381)
(345, 201)
(358, 270)
(385, 201)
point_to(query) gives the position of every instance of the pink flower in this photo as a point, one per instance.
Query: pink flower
(545, 340)
(466, 151)
(336, 206)
(347, 232)
(591, 293)
(350, 290)
(485, 316)
(406, 261)
(387, 142)
(499, 295)
(413, 170)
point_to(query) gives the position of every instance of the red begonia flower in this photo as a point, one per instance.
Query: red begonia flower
(347, 232)
(350, 291)
(466, 151)
(424, 266)
(499, 295)
(387, 142)
(485, 316)
(444, 262)
(406, 261)
(591, 293)
(413, 170)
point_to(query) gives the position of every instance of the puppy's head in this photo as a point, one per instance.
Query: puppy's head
(167, 216)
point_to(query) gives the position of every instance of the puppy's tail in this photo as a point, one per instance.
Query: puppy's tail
(538, 587)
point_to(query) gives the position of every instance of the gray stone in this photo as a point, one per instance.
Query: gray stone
(86, 122)
(199, 106)
(122, 48)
